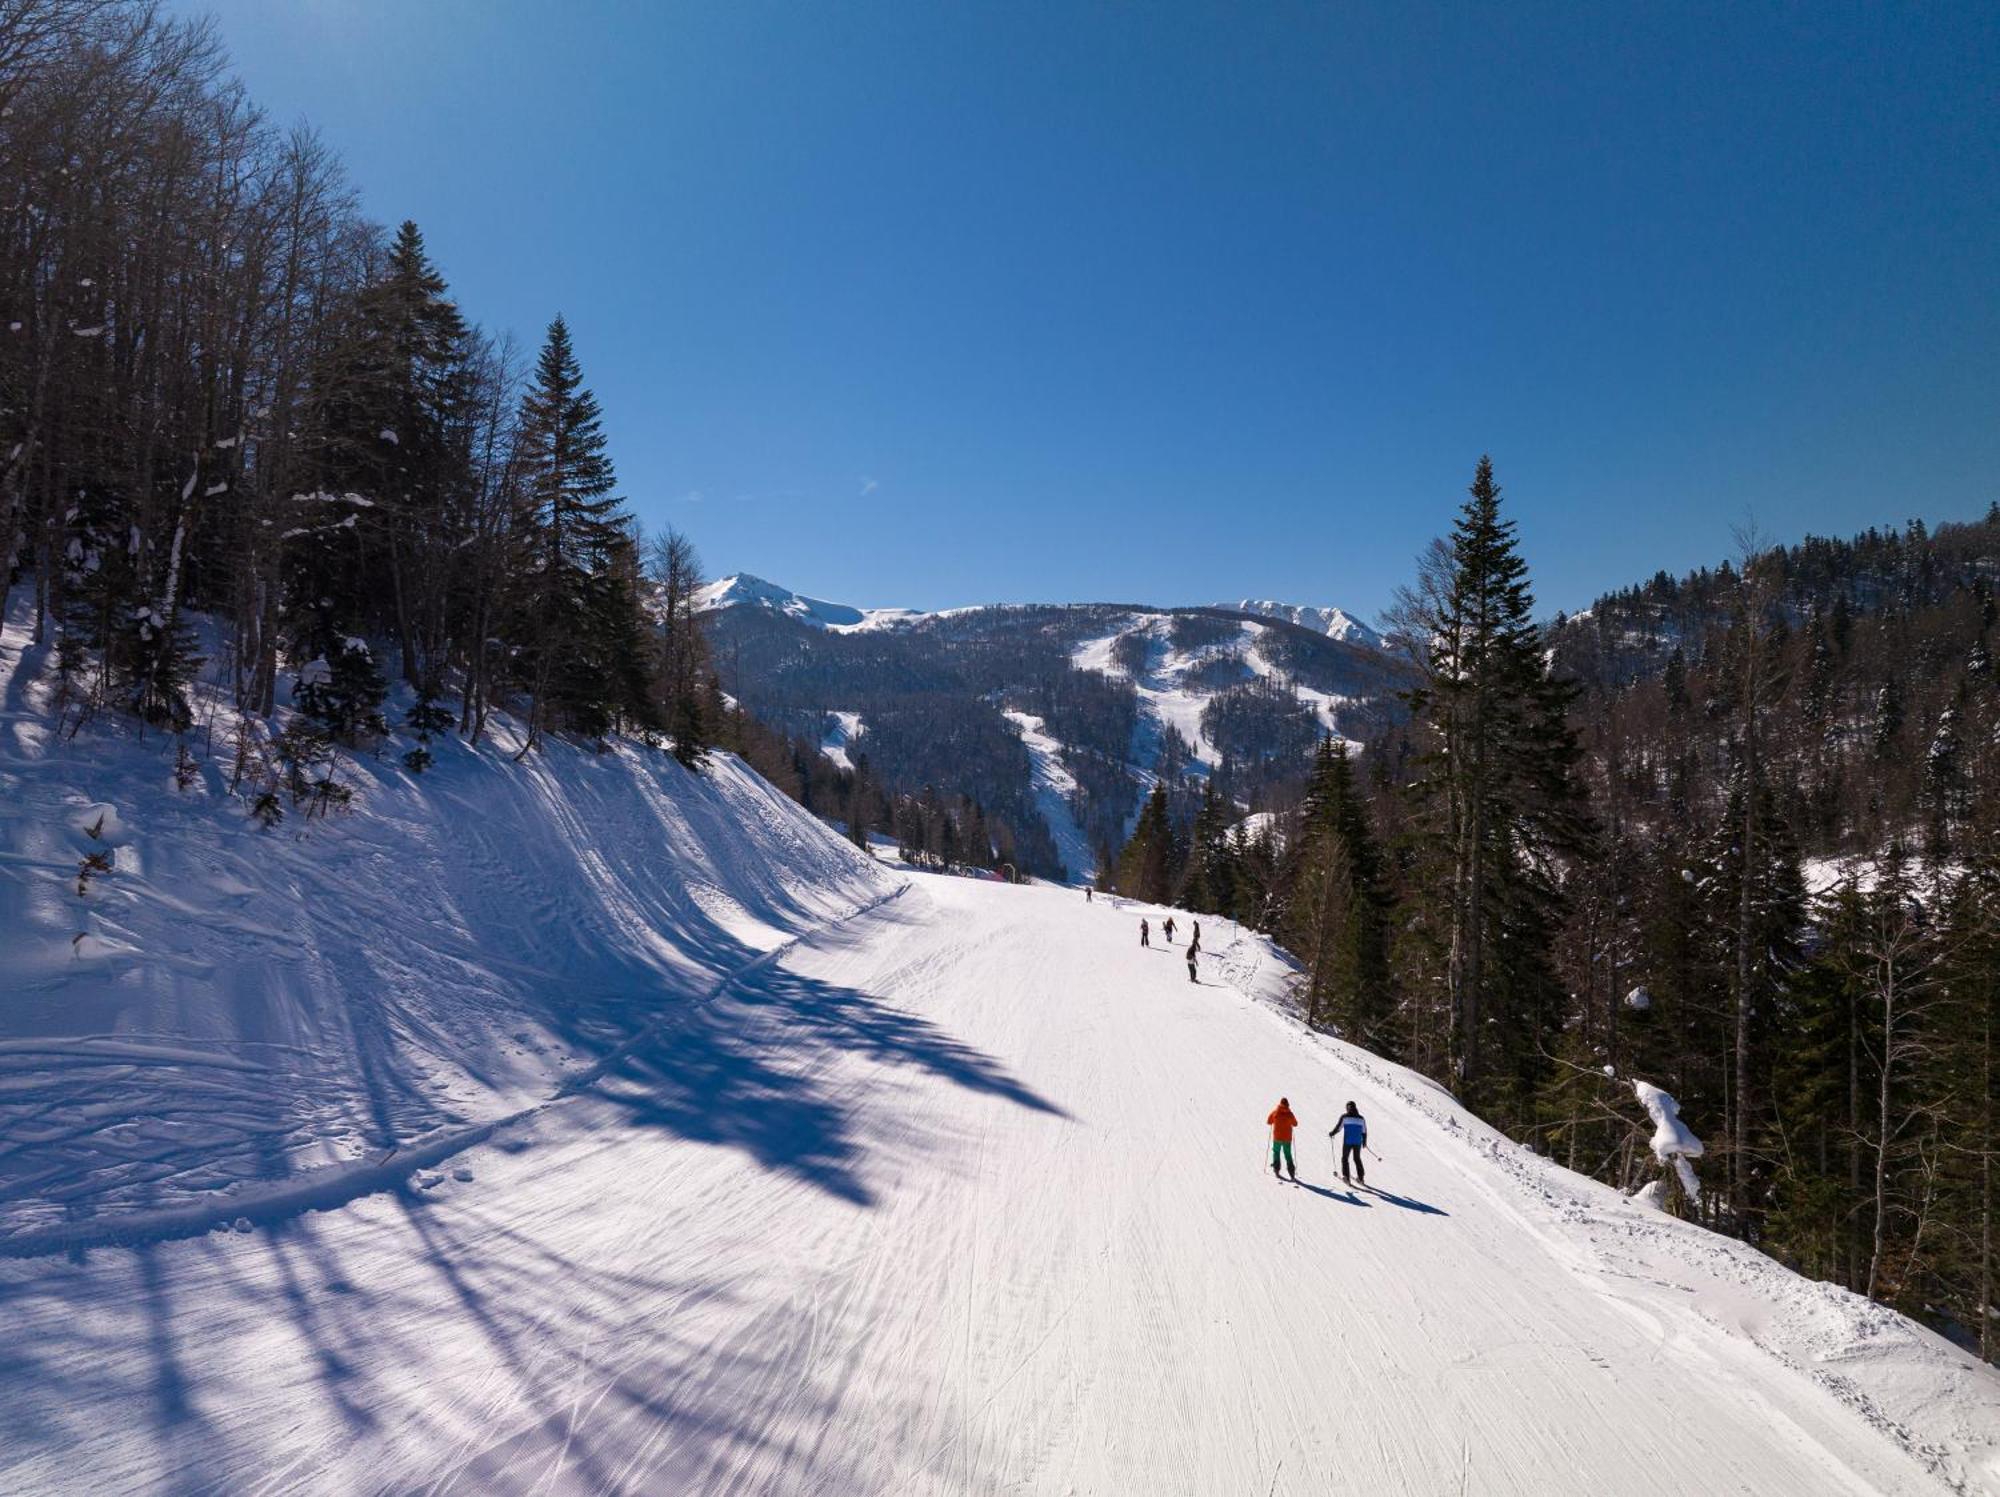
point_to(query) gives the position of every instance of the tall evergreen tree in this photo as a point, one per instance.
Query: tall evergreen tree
(572, 535)
(1334, 917)
(1146, 866)
(1498, 800)
(396, 401)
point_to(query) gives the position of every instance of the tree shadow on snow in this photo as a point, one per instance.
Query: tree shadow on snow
(745, 1070)
(195, 1406)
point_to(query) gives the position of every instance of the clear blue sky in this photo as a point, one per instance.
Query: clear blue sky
(935, 303)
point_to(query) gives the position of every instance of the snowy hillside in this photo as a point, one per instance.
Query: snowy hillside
(231, 1016)
(1336, 623)
(742, 589)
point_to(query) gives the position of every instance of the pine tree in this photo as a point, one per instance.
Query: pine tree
(1944, 789)
(860, 805)
(1498, 800)
(684, 672)
(1208, 881)
(1334, 917)
(396, 420)
(1146, 866)
(1966, 1071)
(577, 620)
(1761, 958)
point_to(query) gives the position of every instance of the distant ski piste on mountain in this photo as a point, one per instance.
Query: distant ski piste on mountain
(1056, 717)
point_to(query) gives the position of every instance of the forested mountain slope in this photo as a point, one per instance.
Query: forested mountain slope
(1055, 718)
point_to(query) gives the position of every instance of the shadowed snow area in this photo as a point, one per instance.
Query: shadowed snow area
(234, 1011)
(805, 1179)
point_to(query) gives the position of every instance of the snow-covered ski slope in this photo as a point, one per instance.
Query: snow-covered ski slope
(807, 1176)
(966, 1193)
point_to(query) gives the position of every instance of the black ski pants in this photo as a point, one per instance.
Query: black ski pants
(1352, 1151)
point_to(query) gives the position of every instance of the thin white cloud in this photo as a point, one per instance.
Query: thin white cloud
(868, 486)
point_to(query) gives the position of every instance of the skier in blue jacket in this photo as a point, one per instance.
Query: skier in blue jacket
(1353, 1136)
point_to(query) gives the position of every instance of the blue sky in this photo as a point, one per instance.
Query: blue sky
(935, 303)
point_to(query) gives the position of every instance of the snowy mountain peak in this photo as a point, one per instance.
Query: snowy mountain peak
(743, 589)
(1335, 623)
(740, 589)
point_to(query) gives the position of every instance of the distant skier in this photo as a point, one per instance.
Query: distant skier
(1195, 944)
(1088, 895)
(1353, 1136)
(1168, 926)
(1191, 976)
(1282, 1121)
(1145, 934)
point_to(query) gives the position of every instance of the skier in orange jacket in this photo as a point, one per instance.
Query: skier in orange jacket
(1282, 1121)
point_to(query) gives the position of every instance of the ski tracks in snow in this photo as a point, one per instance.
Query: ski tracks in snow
(968, 1195)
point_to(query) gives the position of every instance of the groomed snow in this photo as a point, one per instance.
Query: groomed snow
(967, 1193)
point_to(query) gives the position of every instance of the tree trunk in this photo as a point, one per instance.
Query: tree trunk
(1882, 1124)
(1986, 1186)
(1739, 1141)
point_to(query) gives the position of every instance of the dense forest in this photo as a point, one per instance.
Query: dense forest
(1735, 834)
(226, 395)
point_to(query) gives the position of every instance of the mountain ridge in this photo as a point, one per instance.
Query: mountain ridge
(1056, 719)
(747, 589)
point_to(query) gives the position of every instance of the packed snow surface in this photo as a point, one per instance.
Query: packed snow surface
(967, 1193)
(229, 1015)
(833, 1179)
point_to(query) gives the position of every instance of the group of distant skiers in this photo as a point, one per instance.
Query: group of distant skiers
(1352, 1129)
(1167, 926)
